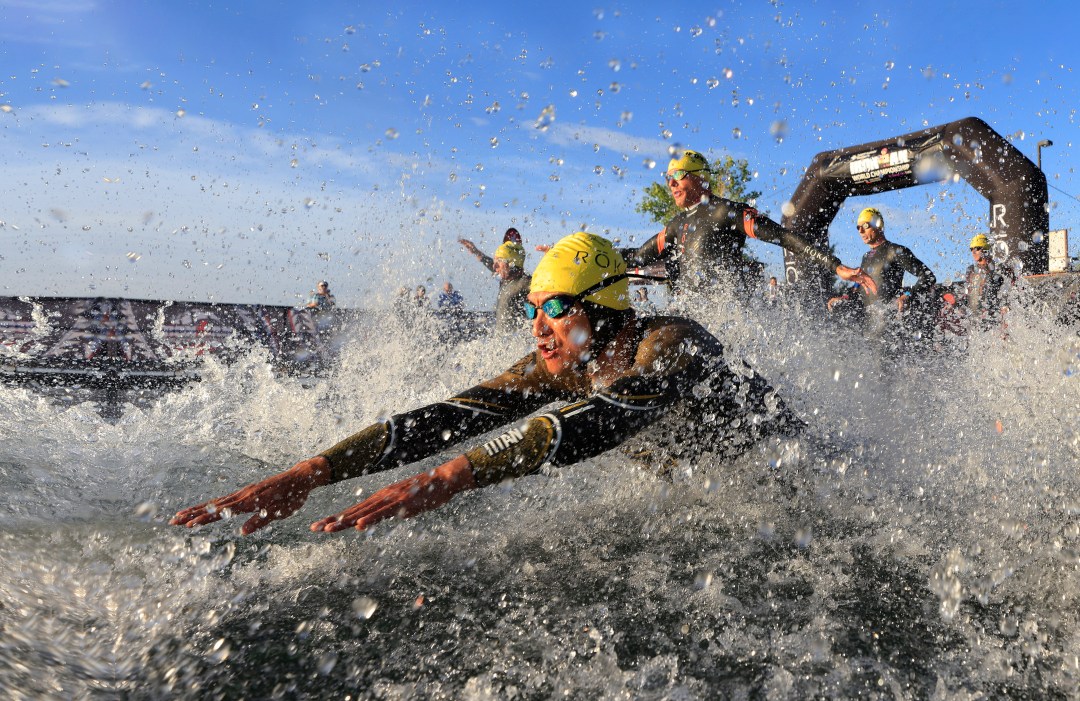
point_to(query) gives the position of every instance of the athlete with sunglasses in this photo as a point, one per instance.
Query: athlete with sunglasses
(616, 374)
(702, 245)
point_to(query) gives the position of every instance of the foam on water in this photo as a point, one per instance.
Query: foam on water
(921, 540)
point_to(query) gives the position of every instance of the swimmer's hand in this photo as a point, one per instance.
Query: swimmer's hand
(857, 275)
(272, 499)
(423, 492)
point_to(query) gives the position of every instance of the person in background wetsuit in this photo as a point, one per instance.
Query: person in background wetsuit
(886, 263)
(508, 264)
(984, 284)
(701, 247)
(321, 299)
(616, 374)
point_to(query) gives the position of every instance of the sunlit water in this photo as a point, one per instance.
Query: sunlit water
(921, 540)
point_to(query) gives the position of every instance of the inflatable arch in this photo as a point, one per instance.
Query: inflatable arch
(968, 148)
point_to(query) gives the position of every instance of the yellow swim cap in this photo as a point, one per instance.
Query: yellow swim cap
(692, 162)
(512, 252)
(581, 261)
(873, 217)
(980, 241)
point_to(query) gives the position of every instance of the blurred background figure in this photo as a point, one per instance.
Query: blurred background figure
(420, 299)
(321, 299)
(450, 300)
(773, 293)
(642, 303)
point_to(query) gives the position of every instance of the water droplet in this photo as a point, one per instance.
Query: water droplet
(695, 31)
(727, 73)
(546, 118)
(494, 142)
(803, 537)
(712, 83)
(219, 651)
(446, 434)
(146, 511)
(615, 65)
(391, 133)
(787, 209)
(5, 108)
(675, 150)
(736, 133)
(327, 662)
(778, 129)
(573, 93)
(889, 65)
(364, 607)
(133, 257)
(703, 580)
(598, 170)
(650, 163)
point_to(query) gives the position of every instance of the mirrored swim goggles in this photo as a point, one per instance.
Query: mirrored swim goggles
(560, 305)
(680, 174)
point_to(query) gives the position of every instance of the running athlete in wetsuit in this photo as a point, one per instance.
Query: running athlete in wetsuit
(886, 263)
(702, 245)
(984, 285)
(618, 374)
(508, 264)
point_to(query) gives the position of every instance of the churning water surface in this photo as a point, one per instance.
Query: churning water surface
(921, 540)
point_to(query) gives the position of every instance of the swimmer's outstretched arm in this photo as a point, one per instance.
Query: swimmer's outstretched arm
(409, 497)
(274, 498)
(857, 275)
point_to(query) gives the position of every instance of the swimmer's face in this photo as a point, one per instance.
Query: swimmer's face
(563, 342)
(870, 235)
(688, 191)
(502, 268)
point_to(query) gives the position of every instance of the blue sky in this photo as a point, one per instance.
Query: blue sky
(240, 151)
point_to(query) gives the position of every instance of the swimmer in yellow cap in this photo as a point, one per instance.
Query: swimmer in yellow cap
(701, 247)
(615, 373)
(984, 286)
(508, 264)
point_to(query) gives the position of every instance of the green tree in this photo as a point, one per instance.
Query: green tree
(730, 178)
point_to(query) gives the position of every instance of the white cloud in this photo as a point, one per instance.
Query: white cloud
(610, 139)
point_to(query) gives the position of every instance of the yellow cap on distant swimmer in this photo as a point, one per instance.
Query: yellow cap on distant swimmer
(872, 216)
(980, 241)
(512, 252)
(580, 261)
(691, 161)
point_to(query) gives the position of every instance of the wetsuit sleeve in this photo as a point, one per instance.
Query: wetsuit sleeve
(487, 261)
(925, 278)
(665, 370)
(761, 227)
(420, 433)
(648, 253)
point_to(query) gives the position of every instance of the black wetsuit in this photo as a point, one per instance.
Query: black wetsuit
(702, 246)
(984, 290)
(510, 304)
(886, 265)
(667, 370)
